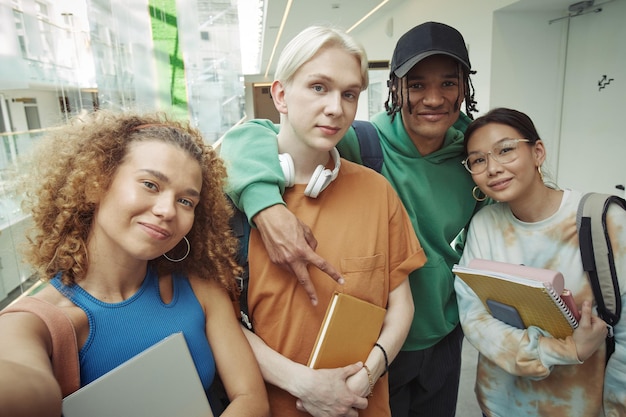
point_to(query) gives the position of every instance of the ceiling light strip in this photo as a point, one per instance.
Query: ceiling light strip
(279, 34)
(374, 10)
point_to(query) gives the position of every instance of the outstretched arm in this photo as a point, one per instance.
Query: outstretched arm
(25, 368)
(255, 184)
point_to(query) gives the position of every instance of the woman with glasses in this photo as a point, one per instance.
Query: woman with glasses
(527, 372)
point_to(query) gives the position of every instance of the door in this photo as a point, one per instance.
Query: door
(264, 104)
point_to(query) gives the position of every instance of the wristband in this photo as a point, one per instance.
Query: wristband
(386, 358)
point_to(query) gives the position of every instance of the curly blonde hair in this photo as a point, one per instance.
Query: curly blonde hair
(74, 166)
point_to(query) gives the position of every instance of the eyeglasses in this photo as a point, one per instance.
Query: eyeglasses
(503, 153)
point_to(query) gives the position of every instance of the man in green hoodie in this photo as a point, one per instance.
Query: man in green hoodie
(421, 135)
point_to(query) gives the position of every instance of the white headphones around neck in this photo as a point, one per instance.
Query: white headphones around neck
(320, 179)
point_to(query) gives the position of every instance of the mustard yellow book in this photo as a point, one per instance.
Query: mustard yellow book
(350, 329)
(536, 300)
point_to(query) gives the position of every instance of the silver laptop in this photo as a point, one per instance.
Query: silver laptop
(161, 381)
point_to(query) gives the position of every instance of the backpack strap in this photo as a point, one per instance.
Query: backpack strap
(64, 354)
(369, 143)
(597, 257)
(241, 229)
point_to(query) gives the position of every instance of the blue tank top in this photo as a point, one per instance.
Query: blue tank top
(119, 331)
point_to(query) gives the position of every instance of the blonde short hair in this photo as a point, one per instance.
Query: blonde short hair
(309, 42)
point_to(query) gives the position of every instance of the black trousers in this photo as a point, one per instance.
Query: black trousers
(426, 382)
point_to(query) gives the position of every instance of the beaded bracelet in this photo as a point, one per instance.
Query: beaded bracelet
(386, 359)
(370, 380)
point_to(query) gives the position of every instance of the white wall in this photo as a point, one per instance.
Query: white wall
(527, 72)
(592, 146)
(550, 71)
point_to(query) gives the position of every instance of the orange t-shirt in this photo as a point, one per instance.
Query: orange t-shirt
(363, 230)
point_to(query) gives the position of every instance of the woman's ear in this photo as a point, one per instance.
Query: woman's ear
(278, 95)
(539, 152)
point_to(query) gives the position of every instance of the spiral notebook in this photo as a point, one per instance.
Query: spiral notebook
(161, 381)
(534, 293)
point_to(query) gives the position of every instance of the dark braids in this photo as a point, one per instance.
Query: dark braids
(394, 103)
(470, 94)
(395, 97)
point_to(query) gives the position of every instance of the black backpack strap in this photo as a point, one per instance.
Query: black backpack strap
(597, 257)
(369, 143)
(241, 229)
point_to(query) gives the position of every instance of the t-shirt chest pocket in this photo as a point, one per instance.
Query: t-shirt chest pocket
(365, 278)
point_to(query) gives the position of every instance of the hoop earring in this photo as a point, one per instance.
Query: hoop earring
(476, 195)
(540, 173)
(186, 253)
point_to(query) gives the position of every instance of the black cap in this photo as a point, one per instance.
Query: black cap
(430, 38)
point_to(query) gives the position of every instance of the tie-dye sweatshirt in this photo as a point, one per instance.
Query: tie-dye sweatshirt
(528, 372)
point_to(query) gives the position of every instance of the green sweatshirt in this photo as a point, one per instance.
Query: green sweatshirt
(436, 191)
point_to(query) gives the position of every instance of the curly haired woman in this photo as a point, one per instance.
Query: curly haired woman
(131, 231)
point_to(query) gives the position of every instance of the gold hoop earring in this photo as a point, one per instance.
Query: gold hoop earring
(540, 173)
(476, 195)
(184, 256)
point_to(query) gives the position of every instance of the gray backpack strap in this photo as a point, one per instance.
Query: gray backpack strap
(597, 256)
(597, 252)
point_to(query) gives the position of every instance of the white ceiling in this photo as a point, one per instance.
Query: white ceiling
(345, 13)
(303, 13)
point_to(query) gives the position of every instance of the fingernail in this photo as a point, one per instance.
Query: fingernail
(341, 281)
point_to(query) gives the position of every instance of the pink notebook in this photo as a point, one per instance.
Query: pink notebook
(555, 278)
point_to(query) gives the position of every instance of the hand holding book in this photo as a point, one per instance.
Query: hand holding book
(348, 333)
(590, 334)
